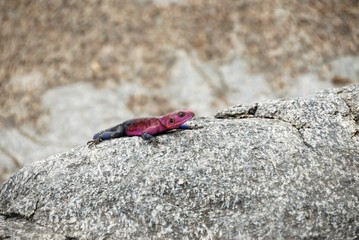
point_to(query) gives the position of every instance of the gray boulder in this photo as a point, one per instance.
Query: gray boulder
(279, 169)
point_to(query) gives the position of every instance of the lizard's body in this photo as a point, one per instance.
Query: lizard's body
(145, 127)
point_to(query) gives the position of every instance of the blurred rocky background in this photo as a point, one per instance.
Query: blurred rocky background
(71, 68)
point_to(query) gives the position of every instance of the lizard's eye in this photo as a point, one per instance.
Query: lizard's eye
(181, 114)
(171, 120)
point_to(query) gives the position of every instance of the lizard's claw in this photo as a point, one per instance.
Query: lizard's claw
(154, 141)
(94, 142)
(90, 143)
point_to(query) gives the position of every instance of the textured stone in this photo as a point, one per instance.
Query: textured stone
(277, 169)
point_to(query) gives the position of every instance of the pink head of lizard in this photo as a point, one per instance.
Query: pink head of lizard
(175, 119)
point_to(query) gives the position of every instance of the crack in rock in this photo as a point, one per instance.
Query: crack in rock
(14, 215)
(251, 112)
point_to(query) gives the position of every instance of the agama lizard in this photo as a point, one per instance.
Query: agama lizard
(145, 127)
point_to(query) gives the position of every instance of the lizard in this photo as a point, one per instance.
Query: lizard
(146, 128)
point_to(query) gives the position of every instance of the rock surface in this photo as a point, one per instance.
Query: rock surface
(101, 62)
(279, 169)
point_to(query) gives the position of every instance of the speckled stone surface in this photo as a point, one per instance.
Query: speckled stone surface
(280, 169)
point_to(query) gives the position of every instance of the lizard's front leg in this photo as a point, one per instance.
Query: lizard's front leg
(149, 134)
(184, 126)
(150, 138)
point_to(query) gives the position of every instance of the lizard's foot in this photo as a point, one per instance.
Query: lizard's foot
(94, 142)
(153, 141)
(150, 139)
(197, 127)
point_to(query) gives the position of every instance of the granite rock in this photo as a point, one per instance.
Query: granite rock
(278, 169)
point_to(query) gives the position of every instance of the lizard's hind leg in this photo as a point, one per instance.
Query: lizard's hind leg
(114, 132)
